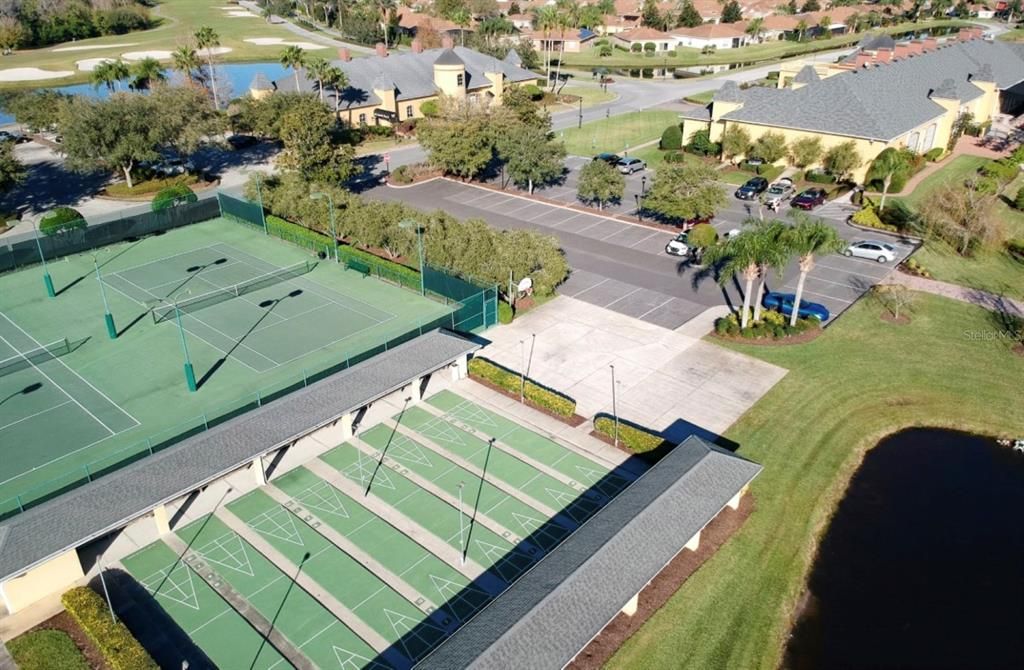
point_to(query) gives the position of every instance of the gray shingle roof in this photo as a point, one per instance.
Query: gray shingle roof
(448, 57)
(947, 89)
(729, 92)
(512, 58)
(109, 502)
(886, 101)
(876, 41)
(555, 609)
(984, 73)
(806, 75)
(411, 73)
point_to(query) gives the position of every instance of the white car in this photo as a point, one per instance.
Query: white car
(677, 246)
(872, 249)
(778, 193)
(170, 167)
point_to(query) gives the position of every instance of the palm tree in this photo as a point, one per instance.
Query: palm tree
(755, 28)
(772, 253)
(462, 19)
(147, 72)
(185, 61)
(293, 57)
(810, 237)
(109, 73)
(853, 22)
(317, 69)
(545, 19)
(385, 7)
(336, 78)
(206, 39)
(739, 256)
(801, 28)
(886, 165)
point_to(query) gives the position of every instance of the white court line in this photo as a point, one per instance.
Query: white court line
(32, 416)
(621, 297)
(654, 308)
(164, 258)
(210, 620)
(105, 397)
(244, 346)
(576, 295)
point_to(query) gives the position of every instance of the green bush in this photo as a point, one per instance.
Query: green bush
(1018, 202)
(61, 220)
(773, 325)
(505, 313)
(636, 47)
(675, 157)
(400, 175)
(819, 177)
(632, 437)
(402, 274)
(650, 47)
(172, 196)
(671, 138)
(915, 268)
(120, 650)
(533, 91)
(701, 144)
(869, 218)
(1003, 171)
(932, 155)
(430, 108)
(45, 650)
(1015, 248)
(508, 380)
(297, 234)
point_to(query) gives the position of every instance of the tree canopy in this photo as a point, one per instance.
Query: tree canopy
(600, 183)
(685, 191)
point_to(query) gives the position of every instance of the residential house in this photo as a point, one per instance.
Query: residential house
(643, 36)
(572, 42)
(716, 35)
(884, 95)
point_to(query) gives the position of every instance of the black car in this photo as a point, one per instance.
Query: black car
(611, 159)
(753, 188)
(810, 198)
(12, 136)
(242, 141)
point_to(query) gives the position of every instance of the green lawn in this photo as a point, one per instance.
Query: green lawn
(592, 95)
(773, 50)
(654, 156)
(181, 19)
(46, 649)
(617, 134)
(810, 433)
(1015, 35)
(702, 98)
(990, 269)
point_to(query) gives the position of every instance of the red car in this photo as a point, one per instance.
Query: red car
(690, 223)
(810, 198)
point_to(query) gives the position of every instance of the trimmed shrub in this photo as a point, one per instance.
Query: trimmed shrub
(701, 144)
(632, 437)
(173, 196)
(45, 650)
(1018, 202)
(650, 47)
(401, 274)
(120, 650)
(430, 108)
(636, 47)
(932, 155)
(1001, 171)
(913, 267)
(675, 157)
(671, 138)
(1015, 248)
(505, 313)
(506, 379)
(61, 220)
(533, 91)
(297, 234)
(819, 177)
(400, 175)
(869, 218)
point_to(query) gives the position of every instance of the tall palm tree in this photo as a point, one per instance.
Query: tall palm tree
(185, 60)
(462, 19)
(853, 22)
(886, 165)
(293, 57)
(317, 69)
(545, 19)
(773, 254)
(206, 39)
(755, 28)
(147, 72)
(385, 7)
(109, 73)
(739, 256)
(336, 78)
(801, 28)
(810, 237)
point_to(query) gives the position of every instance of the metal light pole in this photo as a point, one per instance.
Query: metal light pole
(639, 212)
(522, 371)
(615, 411)
(106, 593)
(190, 375)
(107, 317)
(47, 279)
(580, 125)
(319, 195)
(462, 536)
(407, 224)
(259, 195)
(643, 185)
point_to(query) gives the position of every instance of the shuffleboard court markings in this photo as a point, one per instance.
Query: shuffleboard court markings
(278, 523)
(362, 471)
(174, 584)
(349, 660)
(229, 552)
(513, 562)
(529, 524)
(462, 600)
(404, 449)
(324, 498)
(409, 630)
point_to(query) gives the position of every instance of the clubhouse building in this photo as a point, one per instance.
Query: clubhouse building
(886, 94)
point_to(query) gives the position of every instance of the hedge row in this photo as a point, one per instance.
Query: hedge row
(633, 438)
(115, 642)
(510, 381)
(402, 274)
(59, 220)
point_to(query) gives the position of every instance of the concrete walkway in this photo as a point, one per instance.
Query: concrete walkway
(990, 301)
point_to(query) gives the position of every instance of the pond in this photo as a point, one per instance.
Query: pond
(233, 81)
(922, 565)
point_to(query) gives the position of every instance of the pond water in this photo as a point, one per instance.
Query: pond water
(233, 80)
(922, 565)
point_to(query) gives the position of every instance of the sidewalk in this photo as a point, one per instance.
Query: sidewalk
(990, 301)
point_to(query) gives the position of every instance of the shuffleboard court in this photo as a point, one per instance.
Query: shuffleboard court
(372, 600)
(541, 486)
(432, 577)
(480, 496)
(300, 617)
(223, 635)
(499, 554)
(536, 446)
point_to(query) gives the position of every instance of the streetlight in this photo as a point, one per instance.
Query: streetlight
(319, 195)
(615, 412)
(462, 536)
(47, 279)
(639, 212)
(259, 196)
(406, 225)
(580, 125)
(643, 184)
(190, 375)
(106, 593)
(107, 317)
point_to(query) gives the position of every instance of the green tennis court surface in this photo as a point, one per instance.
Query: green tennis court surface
(259, 316)
(385, 597)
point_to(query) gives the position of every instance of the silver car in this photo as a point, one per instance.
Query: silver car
(778, 193)
(630, 165)
(872, 249)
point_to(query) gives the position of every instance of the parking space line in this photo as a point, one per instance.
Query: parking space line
(537, 216)
(516, 209)
(621, 297)
(576, 295)
(574, 216)
(479, 197)
(829, 297)
(644, 239)
(655, 308)
(589, 227)
(829, 281)
(620, 230)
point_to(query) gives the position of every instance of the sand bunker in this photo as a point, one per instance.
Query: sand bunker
(90, 64)
(241, 15)
(97, 46)
(277, 41)
(161, 54)
(32, 74)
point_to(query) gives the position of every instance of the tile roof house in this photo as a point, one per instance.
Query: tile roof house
(718, 35)
(383, 89)
(642, 36)
(907, 96)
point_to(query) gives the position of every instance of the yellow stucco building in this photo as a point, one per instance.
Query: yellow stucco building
(884, 95)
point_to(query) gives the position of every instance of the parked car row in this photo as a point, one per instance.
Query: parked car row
(624, 164)
(775, 194)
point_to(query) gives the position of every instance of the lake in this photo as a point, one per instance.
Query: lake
(922, 565)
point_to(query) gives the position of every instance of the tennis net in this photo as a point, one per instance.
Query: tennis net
(165, 311)
(26, 359)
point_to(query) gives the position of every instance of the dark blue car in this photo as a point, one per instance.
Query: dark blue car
(783, 302)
